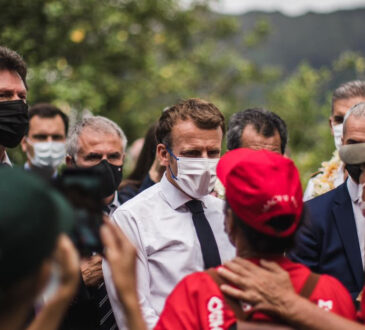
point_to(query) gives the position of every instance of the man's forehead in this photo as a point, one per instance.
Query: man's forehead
(341, 106)
(188, 131)
(47, 124)
(94, 139)
(11, 80)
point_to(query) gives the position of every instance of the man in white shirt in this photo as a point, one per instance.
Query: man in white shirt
(176, 225)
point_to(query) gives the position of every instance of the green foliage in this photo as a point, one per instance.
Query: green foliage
(126, 59)
(129, 59)
(303, 100)
(298, 101)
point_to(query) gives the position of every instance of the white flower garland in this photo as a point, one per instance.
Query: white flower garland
(325, 181)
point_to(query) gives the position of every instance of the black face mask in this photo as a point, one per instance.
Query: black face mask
(14, 121)
(112, 176)
(354, 172)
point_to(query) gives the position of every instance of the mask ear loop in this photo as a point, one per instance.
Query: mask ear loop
(172, 154)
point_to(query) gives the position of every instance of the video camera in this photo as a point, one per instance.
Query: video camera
(82, 188)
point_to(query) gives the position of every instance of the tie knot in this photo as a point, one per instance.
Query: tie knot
(195, 206)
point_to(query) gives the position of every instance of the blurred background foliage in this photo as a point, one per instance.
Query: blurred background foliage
(129, 59)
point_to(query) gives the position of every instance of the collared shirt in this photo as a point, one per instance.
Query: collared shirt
(6, 160)
(355, 195)
(161, 227)
(114, 204)
(28, 168)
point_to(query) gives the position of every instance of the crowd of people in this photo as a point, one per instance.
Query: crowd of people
(192, 238)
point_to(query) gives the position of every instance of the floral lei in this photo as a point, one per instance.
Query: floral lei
(325, 181)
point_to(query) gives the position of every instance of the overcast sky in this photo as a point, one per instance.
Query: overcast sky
(289, 7)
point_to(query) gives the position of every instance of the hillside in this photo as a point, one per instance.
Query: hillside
(317, 38)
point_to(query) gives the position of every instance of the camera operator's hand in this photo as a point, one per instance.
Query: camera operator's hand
(91, 270)
(53, 311)
(122, 256)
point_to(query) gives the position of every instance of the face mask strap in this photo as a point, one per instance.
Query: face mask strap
(172, 155)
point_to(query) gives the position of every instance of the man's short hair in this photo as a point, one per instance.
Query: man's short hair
(46, 110)
(13, 62)
(357, 111)
(204, 115)
(265, 122)
(97, 124)
(348, 90)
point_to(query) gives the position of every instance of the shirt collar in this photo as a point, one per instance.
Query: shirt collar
(353, 189)
(6, 159)
(174, 196)
(111, 207)
(115, 203)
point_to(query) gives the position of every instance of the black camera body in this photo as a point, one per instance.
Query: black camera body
(82, 188)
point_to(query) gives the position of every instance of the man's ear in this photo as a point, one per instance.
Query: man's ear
(230, 226)
(162, 154)
(23, 144)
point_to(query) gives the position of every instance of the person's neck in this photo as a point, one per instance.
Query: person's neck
(15, 320)
(245, 252)
(173, 182)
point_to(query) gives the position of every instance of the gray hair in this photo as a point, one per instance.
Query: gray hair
(357, 111)
(348, 90)
(96, 123)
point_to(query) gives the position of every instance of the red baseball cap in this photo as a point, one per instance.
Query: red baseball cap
(260, 185)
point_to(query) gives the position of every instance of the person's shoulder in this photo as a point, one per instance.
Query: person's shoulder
(214, 202)
(148, 196)
(199, 281)
(331, 295)
(140, 205)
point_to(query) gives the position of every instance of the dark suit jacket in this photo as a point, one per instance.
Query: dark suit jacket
(327, 242)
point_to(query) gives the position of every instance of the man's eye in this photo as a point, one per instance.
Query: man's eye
(39, 137)
(214, 153)
(93, 157)
(57, 137)
(338, 119)
(190, 153)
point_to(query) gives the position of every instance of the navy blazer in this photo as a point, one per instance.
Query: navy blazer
(327, 241)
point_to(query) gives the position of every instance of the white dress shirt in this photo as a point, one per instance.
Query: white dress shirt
(6, 159)
(161, 227)
(355, 191)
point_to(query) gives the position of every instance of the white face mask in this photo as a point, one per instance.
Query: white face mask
(196, 176)
(48, 153)
(337, 133)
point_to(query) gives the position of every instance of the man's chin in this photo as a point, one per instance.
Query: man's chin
(109, 199)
